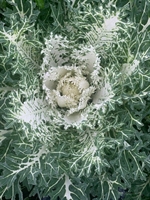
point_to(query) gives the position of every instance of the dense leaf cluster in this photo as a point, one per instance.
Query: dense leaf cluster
(107, 153)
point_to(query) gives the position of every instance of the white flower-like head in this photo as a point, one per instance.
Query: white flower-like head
(69, 88)
(71, 78)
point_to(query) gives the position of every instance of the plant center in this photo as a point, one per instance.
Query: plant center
(71, 88)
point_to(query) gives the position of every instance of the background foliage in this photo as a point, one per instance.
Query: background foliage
(98, 161)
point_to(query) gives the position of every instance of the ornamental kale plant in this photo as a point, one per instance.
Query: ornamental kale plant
(75, 99)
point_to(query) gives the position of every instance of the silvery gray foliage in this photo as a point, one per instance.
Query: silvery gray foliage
(74, 99)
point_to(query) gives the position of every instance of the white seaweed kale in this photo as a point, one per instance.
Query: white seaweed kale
(72, 78)
(104, 103)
